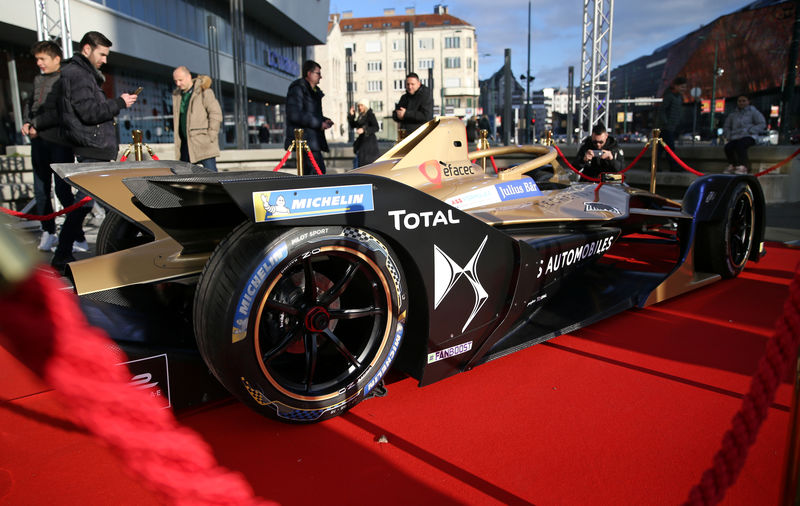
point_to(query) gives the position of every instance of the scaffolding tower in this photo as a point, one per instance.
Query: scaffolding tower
(595, 85)
(53, 23)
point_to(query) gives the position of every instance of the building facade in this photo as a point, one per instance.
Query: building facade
(152, 37)
(442, 49)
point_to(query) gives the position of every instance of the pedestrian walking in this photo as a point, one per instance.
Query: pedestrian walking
(42, 125)
(88, 122)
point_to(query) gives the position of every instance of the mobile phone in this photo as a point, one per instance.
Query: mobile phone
(138, 90)
(597, 152)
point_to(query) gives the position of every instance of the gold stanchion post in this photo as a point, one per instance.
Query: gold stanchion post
(655, 138)
(299, 144)
(483, 143)
(548, 138)
(137, 145)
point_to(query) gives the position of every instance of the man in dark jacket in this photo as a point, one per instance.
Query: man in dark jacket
(669, 117)
(41, 124)
(88, 123)
(304, 110)
(415, 107)
(599, 153)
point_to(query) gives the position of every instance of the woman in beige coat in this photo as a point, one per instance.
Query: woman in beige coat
(196, 119)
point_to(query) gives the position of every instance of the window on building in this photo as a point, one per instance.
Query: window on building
(347, 27)
(353, 86)
(469, 42)
(399, 65)
(452, 62)
(374, 85)
(469, 62)
(353, 65)
(469, 102)
(367, 25)
(387, 25)
(373, 46)
(399, 84)
(452, 102)
(399, 45)
(452, 82)
(425, 81)
(374, 66)
(424, 64)
(425, 43)
(452, 42)
(376, 105)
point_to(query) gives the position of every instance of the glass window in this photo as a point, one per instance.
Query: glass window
(376, 105)
(374, 85)
(452, 102)
(399, 65)
(452, 42)
(374, 66)
(426, 63)
(453, 62)
(399, 84)
(426, 43)
(399, 45)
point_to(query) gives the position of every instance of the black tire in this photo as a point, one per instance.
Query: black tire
(296, 351)
(725, 245)
(116, 234)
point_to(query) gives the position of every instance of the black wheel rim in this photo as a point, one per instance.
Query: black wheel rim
(323, 322)
(741, 230)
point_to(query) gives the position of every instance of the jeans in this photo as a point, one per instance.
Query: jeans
(736, 151)
(43, 153)
(308, 169)
(208, 163)
(72, 230)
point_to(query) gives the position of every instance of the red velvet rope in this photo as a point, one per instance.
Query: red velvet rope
(779, 164)
(630, 165)
(491, 159)
(46, 217)
(43, 327)
(678, 160)
(780, 354)
(576, 171)
(283, 160)
(313, 162)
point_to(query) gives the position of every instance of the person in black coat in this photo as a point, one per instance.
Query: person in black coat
(88, 123)
(304, 110)
(415, 107)
(366, 126)
(599, 153)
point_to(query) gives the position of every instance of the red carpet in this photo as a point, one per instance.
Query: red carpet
(628, 411)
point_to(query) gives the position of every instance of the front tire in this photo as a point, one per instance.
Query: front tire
(725, 245)
(300, 326)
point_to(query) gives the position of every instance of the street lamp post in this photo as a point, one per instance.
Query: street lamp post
(714, 90)
(528, 81)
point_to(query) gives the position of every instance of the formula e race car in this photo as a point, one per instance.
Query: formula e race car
(302, 292)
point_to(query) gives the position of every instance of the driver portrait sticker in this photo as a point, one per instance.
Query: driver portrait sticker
(305, 202)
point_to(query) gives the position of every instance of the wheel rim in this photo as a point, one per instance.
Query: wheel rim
(741, 230)
(314, 340)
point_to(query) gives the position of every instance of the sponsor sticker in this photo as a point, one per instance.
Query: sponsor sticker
(305, 202)
(152, 375)
(246, 299)
(449, 352)
(500, 192)
(425, 219)
(447, 272)
(598, 207)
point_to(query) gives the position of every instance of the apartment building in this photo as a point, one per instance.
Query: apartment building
(441, 48)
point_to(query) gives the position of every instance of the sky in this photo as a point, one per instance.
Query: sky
(639, 27)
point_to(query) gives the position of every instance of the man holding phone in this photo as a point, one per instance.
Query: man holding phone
(599, 153)
(88, 122)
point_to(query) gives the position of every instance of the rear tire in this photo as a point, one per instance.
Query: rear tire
(724, 246)
(116, 234)
(300, 326)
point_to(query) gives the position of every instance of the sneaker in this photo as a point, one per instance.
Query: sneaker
(80, 246)
(59, 263)
(48, 241)
(741, 169)
(728, 170)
